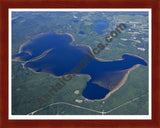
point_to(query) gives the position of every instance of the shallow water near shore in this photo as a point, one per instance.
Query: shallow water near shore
(62, 57)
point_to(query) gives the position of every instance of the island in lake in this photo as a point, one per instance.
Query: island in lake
(54, 54)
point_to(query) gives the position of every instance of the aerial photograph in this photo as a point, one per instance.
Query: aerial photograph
(79, 62)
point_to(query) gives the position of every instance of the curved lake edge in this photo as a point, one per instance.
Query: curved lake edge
(122, 82)
(73, 39)
(37, 36)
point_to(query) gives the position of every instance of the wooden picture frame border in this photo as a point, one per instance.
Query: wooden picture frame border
(4, 71)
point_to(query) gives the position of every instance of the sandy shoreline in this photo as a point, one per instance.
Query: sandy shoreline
(41, 34)
(122, 82)
(29, 41)
(73, 39)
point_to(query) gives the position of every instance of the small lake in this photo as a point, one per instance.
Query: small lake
(53, 53)
(99, 26)
(75, 21)
(81, 32)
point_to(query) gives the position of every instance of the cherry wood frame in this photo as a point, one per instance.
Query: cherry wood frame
(6, 4)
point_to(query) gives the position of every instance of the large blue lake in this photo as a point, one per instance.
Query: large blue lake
(52, 53)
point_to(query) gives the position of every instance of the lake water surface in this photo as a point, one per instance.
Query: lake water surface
(52, 53)
(99, 26)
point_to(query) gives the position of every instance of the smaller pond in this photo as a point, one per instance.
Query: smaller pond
(75, 21)
(81, 32)
(99, 26)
